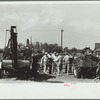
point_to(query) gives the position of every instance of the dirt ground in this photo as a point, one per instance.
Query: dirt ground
(63, 78)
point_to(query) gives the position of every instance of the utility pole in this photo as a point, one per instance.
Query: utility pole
(62, 38)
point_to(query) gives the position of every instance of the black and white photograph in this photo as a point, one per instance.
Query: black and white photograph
(50, 43)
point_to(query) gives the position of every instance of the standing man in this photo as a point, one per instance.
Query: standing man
(61, 63)
(54, 57)
(66, 61)
(58, 63)
(44, 62)
(35, 66)
(50, 61)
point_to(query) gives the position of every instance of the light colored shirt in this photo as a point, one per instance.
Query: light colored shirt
(49, 56)
(44, 59)
(54, 57)
(66, 58)
(57, 58)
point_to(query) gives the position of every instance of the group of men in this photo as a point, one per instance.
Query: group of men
(54, 61)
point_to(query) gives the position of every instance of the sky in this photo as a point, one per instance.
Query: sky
(44, 21)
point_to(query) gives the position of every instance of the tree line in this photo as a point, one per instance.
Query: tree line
(49, 47)
(44, 47)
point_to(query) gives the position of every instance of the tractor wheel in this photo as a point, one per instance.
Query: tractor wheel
(77, 72)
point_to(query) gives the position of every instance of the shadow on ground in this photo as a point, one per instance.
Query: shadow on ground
(55, 82)
(38, 78)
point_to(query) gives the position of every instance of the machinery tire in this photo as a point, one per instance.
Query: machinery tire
(77, 72)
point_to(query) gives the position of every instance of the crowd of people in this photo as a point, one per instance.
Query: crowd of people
(54, 63)
(58, 63)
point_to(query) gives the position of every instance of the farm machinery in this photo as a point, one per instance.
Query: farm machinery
(86, 65)
(12, 64)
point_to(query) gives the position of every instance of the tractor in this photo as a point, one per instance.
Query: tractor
(86, 65)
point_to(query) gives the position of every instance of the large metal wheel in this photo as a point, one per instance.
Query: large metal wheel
(77, 72)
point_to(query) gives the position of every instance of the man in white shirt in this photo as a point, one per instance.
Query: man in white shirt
(44, 62)
(54, 57)
(58, 63)
(66, 61)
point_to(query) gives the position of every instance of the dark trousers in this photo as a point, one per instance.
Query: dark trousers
(67, 68)
(54, 67)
